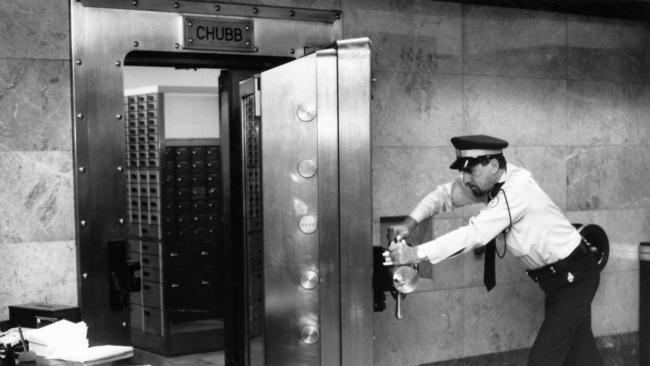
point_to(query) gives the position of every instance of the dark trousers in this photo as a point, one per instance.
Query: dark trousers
(565, 337)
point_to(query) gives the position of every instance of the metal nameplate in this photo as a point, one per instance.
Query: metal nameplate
(218, 34)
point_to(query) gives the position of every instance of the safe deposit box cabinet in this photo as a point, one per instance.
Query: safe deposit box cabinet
(174, 217)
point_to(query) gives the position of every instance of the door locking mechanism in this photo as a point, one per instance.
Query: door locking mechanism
(405, 277)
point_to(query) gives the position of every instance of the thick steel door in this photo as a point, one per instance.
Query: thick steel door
(306, 173)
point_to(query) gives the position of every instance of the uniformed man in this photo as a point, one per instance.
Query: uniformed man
(534, 230)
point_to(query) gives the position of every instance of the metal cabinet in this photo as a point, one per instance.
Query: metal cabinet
(174, 202)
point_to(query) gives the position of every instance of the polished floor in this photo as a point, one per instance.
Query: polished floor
(140, 357)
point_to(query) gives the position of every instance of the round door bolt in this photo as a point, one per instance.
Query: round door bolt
(120, 169)
(307, 168)
(80, 116)
(82, 223)
(124, 324)
(309, 334)
(118, 116)
(120, 221)
(84, 276)
(306, 112)
(136, 43)
(309, 280)
(81, 169)
(307, 224)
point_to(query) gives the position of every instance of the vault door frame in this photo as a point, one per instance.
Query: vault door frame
(102, 34)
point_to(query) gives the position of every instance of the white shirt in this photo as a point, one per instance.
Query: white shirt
(540, 233)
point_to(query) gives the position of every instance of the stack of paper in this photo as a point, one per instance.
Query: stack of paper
(62, 335)
(94, 355)
(65, 340)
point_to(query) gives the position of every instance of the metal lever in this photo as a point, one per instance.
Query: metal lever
(398, 310)
(405, 279)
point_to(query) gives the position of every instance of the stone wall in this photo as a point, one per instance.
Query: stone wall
(570, 93)
(37, 249)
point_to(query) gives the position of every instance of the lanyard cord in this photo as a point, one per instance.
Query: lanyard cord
(506, 230)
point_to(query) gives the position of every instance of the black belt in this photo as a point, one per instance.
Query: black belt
(579, 261)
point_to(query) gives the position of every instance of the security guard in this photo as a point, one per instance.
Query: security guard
(534, 230)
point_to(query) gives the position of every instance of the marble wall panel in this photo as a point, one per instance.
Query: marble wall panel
(446, 275)
(608, 49)
(37, 272)
(513, 42)
(431, 330)
(508, 269)
(35, 105)
(410, 36)
(548, 166)
(530, 112)
(607, 113)
(416, 109)
(608, 177)
(402, 176)
(615, 308)
(35, 29)
(506, 318)
(38, 202)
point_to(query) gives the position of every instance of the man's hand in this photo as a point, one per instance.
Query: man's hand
(403, 230)
(401, 253)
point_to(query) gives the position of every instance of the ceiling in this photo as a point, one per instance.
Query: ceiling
(622, 9)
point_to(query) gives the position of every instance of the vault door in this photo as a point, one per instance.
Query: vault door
(305, 128)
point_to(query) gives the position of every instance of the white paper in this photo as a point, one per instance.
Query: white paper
(96, 353)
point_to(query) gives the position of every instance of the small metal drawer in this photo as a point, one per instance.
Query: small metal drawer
(151, 231)
(197, 153)
(198, 167)
(150, 248)
(152, 320)
(150, 261)
(151, 274)
(213, 180)
(212, 166)
(182, 154)
(198, 193)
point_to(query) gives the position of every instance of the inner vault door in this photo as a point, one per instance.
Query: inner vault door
(306, 167)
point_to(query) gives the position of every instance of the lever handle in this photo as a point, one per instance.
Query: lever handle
(398, 310)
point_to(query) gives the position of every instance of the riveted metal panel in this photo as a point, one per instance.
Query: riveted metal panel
(101, 39)
(217, 8)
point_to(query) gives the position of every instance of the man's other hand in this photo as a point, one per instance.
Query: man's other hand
(402, 230)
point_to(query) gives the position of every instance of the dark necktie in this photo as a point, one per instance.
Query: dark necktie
(489, 273)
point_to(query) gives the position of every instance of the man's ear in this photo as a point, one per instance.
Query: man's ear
(494, 164)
